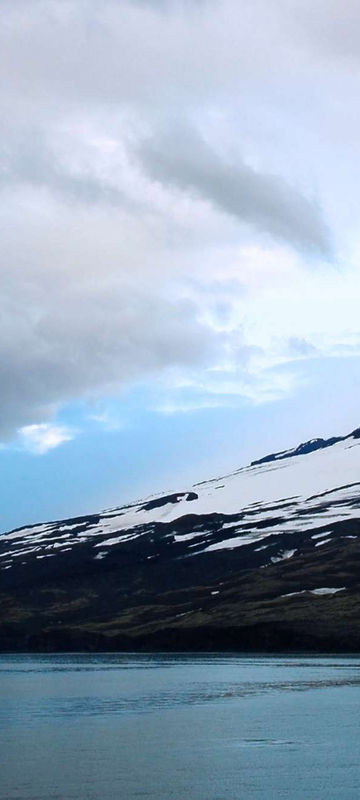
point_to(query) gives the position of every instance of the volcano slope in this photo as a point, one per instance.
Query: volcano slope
(266, 558)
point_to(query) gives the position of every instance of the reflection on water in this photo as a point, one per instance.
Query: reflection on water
(95, 727)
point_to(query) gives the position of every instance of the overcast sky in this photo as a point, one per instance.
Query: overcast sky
(179, 217)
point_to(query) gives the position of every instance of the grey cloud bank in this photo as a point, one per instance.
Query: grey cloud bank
(113, 232)
(88, 341)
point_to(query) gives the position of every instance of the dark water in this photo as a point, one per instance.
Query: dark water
(184, 727)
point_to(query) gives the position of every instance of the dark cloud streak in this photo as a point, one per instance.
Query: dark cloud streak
(265, 201)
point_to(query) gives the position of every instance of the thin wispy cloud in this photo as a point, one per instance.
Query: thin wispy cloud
(39, 439)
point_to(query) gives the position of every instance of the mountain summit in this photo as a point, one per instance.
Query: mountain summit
(264, 558)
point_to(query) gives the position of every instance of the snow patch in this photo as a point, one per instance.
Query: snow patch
(327, 590)
(285, 554)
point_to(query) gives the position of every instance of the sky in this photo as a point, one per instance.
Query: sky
(180, 255)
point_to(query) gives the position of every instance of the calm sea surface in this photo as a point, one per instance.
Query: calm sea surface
(156, 727)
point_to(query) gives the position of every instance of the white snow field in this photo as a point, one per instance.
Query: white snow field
(285, 495)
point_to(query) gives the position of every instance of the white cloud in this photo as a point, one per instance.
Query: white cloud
(119, 268)
(39, 439)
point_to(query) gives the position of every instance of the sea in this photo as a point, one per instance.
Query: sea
(179, 727)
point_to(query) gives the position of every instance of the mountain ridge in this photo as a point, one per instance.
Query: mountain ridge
(307, 447)
(266, 557)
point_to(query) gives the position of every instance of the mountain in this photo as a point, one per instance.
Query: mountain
(264, 558)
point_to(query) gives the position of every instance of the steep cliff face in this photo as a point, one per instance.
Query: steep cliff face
(265, 558)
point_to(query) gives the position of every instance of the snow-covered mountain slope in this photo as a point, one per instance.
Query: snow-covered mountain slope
(288, 493)
(265, 557)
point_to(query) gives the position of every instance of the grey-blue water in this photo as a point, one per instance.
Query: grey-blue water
(156, 727)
